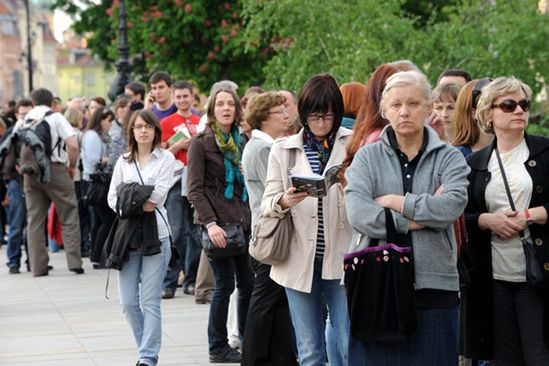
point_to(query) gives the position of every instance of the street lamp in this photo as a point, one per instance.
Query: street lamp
(29, 44)
(123, 64)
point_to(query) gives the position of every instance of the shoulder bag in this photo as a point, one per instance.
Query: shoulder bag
(270, 243)
(98, 187)
(534, 276)
(380, 289)
(236, 242)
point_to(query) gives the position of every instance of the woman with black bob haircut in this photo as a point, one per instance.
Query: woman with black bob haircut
(141, 277)
(311, 275)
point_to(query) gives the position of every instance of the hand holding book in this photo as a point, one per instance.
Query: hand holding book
(316, 185)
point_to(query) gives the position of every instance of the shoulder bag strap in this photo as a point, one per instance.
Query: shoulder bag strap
(507, 189)
(390, 227)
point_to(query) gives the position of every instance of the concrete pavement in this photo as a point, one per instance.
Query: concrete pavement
(64, 320)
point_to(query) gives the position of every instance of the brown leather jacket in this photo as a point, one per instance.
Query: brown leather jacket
(206, 185)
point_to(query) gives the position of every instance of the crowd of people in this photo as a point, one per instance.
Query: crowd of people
(182, 187)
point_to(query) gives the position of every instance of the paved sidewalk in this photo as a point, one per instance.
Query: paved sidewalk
(64, 320)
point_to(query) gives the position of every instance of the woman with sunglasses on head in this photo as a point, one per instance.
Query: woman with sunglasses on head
(507, 317)
(142, 274)
(469, 137)
(217, 190)
(313, 270)
(96, 144)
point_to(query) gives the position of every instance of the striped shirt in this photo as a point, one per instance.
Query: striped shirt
(314, 161)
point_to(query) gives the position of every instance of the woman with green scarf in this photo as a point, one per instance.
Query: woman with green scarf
(217, 191)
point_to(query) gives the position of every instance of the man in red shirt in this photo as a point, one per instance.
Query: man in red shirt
(177, 131)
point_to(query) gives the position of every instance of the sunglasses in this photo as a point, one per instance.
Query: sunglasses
(509, 105)
(477, 90)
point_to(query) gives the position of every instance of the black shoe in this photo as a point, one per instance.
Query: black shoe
(168, 293)
(77, 270)
(189, 290)
(14, 270)
(50, 267)
(225, 355)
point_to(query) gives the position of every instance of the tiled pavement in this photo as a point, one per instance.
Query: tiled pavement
(64, 320)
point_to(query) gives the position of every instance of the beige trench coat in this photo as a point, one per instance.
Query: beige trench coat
(297, 272)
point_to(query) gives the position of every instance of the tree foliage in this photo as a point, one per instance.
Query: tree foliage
(199, 40)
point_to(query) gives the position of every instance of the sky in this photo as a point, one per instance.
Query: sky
(61, 21)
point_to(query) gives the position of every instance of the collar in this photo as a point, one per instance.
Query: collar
(262, 136)
(430, 142)
(393, 142)
(156, 153)
(37, 112)
(296, 141)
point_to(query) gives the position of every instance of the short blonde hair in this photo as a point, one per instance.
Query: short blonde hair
(259, 106)
(503, 85)
(74, 116)
(402, 79)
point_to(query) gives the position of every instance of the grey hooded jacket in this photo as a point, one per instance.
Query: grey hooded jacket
(375, 171)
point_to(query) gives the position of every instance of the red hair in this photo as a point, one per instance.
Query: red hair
(369, 118)
(353, 96)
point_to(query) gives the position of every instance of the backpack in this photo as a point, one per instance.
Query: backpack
(36, 149)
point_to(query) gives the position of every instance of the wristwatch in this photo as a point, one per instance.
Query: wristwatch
(529, 219)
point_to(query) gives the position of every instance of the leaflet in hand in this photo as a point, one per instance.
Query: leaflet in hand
(181, 131)
(316, 185)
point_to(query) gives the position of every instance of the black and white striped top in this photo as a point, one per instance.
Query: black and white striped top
(314, 161)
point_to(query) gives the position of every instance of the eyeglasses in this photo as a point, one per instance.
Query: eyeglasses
(314, 118)
(145, 126)
(509, 105)
(477, 90)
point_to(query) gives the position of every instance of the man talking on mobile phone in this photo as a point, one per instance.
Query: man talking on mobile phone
(159, 99)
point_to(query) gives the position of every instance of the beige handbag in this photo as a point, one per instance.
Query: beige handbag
(270, 243)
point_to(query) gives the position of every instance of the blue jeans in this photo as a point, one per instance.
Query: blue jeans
(307, 317)
(17, 218)
(186, 237)
(225, 271)
(140, 288)
(435, 343)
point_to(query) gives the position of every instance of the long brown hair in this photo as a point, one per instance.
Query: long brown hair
(466, 130)
(149, 118)
(353, 96)
(369, 118)
(98, 116)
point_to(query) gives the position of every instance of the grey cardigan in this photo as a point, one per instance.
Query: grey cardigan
(375, 171)
(255, 160)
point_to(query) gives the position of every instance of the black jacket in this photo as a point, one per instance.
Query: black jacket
(478, 302)
(134, 228)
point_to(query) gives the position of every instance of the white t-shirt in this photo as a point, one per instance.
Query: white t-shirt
(508, 261)
(60, 129)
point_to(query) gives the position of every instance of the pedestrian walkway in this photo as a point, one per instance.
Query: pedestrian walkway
(64, 320)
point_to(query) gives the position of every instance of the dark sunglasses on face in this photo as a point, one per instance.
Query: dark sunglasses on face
(509, 105)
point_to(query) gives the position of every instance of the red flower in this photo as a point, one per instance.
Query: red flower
(152, 37)
(223, 23)
(207, 23)
(188, 8)
(225, 38)
(131, 25)
(144, 19)
(109, 11)
(211, 56)
(179, 3)
(148, 55)
(162, 40)
(216, 48)
(227, 6)
(235, 15)
(233, 33)
(203, 68)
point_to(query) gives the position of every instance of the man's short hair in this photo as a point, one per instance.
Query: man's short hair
(159, 76)
(23, 103)
(183, 84)
(137, 88)
(42, 96)
(455, 72)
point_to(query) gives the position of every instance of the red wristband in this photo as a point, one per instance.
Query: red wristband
(529, 219)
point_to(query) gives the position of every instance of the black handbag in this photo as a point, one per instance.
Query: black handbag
(381, 296)
(534, 276)
(98, 189)
(236, 242)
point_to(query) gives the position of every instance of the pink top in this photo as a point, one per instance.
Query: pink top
(373, 137)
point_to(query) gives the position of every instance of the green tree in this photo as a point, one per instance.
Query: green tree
(199, 40)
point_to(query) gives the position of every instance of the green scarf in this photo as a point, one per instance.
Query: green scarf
(229, 144)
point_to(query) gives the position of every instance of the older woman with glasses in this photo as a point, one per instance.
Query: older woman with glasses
(312, 272)
(507, 316)
(422, 180)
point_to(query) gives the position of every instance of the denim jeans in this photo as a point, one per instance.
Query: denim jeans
(186, 237)
(225, 270)
(435, 343)
(140, 288)
(17, 218)
(307, 311)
